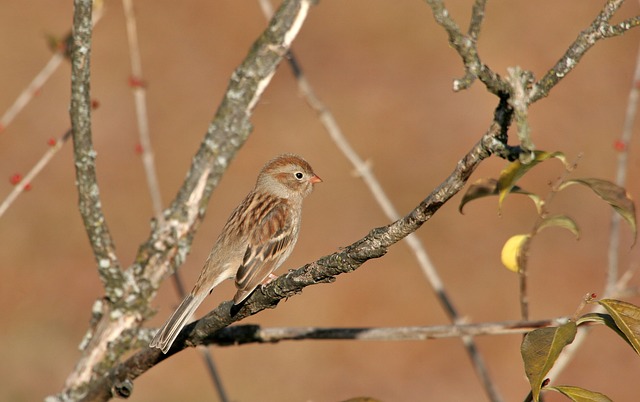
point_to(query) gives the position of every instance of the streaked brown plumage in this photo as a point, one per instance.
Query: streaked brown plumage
(257, 238)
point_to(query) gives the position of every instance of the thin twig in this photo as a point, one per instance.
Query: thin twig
(35, 170)
(38, 81)
(477, 18)
(571, 350)
(139, 95)
(19, 104)
(466, 47)
(31, 90)
(599, 29)
(622, 145)
(140, 100)
(523, 258)
(207, 357)
(473, 33)
(212, 368)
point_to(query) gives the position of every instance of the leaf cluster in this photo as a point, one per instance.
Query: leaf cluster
(514, 248)
(541, 348)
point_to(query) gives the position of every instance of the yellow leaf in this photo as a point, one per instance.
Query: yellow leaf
(627, 319)
(561, 221)
(540, 349)
(614, 195)
(488, 187)
(578, 394)
(511, 251)
(515, 170)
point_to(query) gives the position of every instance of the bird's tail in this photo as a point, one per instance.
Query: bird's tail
(170, 330)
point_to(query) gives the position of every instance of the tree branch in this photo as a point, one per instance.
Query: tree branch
(249, 334)
(599, 29)
(110, 335)
(84, 155)
(170, 239)
(324, 270)
(35, 171)
(477, 18)
(466, 47)
(140, 101)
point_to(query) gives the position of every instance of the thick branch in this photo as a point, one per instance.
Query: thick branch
(84, 154)
(374, 245)
(110, 334)
(249, 334)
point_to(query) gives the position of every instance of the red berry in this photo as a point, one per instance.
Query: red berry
(139, 149)
(95, 104)
(15, 178)
(594, 296)
(52, 142)
(27, 187)
(619, 145)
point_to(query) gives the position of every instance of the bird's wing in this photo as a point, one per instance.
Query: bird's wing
(268, 246)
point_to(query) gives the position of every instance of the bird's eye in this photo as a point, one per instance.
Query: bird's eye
(299, 175)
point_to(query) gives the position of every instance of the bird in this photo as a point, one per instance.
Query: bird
(257, 238)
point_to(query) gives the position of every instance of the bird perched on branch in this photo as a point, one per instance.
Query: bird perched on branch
(257, 238)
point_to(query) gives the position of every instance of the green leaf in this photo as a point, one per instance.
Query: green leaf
(598, 318)
(613, 194)
(489, 187)
(562, 221)
(515, 170)
(578, 394)
(540, 350)
(627, 319)
(602, 318)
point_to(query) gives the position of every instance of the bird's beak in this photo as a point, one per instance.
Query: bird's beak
(315, 179)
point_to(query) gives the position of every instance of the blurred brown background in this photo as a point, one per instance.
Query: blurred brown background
(385, 69)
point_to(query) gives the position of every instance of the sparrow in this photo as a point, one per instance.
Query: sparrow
(258, 237)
